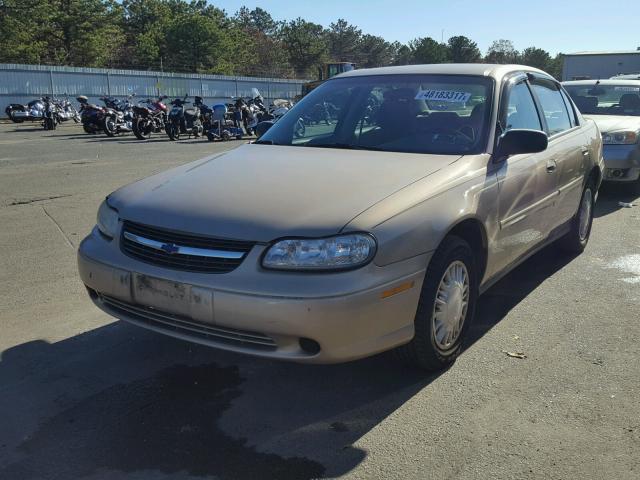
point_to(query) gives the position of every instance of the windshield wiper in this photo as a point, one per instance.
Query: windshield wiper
(346, 146)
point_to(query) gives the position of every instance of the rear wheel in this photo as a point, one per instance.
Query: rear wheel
(142, 128)
(577, 238)
(445, 309)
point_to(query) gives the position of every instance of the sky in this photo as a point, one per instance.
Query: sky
(555, 25)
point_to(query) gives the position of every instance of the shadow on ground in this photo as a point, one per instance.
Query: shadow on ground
(120, 400)
(611, 194)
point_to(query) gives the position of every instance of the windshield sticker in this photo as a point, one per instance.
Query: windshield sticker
(627, 89)
(443, 96)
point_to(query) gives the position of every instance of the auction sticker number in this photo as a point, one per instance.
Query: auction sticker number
(443, 96)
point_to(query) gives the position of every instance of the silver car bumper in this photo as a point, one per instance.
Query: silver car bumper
(622, 163)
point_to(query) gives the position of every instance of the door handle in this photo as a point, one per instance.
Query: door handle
(551, 166)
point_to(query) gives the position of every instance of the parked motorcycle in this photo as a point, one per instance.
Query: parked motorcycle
(33, 111)
(66, 111)
(183, 120)
(149, 118)
(91, 115)
(118, 115)
(223, 125)
(50, 120)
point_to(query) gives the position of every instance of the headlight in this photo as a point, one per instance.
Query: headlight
(107, 220)
(620, 138)
(334, 253)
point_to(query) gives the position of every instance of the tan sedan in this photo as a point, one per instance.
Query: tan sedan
(409, 191)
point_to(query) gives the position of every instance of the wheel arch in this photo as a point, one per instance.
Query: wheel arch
(472, 230)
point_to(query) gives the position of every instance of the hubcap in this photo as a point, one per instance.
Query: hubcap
(585, 214)
(450, 307)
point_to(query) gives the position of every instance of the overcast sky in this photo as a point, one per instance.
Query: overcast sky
(557, 26)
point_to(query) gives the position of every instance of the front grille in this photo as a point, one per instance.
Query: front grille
(198, 253)
(174, 323)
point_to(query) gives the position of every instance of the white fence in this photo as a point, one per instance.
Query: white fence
(22, 83)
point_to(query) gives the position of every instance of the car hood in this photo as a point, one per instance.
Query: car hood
(615, 123)
(263, 192)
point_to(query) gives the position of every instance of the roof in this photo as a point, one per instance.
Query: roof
(480, 69)
(605, 52)
(634, 83)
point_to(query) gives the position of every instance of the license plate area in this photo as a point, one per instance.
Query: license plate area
(173, 297)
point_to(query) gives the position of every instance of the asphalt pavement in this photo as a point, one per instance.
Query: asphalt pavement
(85, 397)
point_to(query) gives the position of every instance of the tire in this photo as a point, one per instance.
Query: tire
(210, 136)
(173, 131)
(431, 349)
(577, 238)
(109, 126)
(142, 128)
(88, 130)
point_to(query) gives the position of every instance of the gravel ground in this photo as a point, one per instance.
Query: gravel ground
(84, 396)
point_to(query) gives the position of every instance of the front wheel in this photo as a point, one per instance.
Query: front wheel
(445, 308)
(577, 238)
(109, 126)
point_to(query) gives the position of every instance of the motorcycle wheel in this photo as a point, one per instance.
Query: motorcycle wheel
(48, 124)
(211, 137)
(88, 130)
(142, 129)
(197, 131)
(173, 131)
(109, 126)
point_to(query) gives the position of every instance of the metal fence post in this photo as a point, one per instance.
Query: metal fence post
(108, 83)
(51, 81)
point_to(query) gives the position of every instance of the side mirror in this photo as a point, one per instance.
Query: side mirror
(262, 127)
(518, 141)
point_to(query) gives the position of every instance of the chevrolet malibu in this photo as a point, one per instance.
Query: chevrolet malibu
(615, 107)
(375, 227)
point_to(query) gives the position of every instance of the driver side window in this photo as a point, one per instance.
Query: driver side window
(521, 110)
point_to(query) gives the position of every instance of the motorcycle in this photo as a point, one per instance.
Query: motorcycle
(32, 112)
(91, 115)
(183, 120)
(50, 116)
(223, 126)
(150, 118)
(118, 116)
(66, 111)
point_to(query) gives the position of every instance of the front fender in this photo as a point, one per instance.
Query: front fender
(426, 211)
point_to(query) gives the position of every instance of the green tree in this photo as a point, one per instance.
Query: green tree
(536, 57)
(463, 50)
(256, 20)
(502, 51)
(21, 24)
(428, 50)
(343, 40)
(305, 44)
(401, 53)
(374, 51)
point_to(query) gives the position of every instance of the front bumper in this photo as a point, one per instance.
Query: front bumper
(315, 318)
(622, 163)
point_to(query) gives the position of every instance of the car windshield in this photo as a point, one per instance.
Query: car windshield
(445, 114)
(598, 99)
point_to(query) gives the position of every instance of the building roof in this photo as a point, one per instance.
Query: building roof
(605, 52)
(631, 83)
(480, 69)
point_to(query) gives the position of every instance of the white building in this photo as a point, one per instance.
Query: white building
(600, 65)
